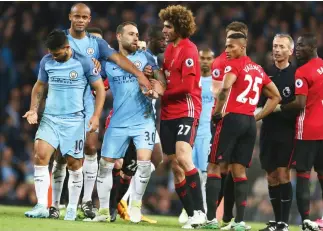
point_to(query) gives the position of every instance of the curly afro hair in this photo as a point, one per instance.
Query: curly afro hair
(182, 19)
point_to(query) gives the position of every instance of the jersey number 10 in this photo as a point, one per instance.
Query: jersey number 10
(255, 87)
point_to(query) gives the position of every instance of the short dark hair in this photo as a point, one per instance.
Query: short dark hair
(154, 31)
(122, 25)
(310, 39)
(56, 39)
(95, 30)
(237, 36)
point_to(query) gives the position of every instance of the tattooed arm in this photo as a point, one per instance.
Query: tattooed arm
(228, 81)
(36, 98)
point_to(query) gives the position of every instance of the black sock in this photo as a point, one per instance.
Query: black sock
(286, 198)
(220, 197)
(240, 194)
(194, 183)
(115, 188)
(212, 187)
(274, 195)
(228, 191)
(183, 192)
(123, 188)
(303, 194)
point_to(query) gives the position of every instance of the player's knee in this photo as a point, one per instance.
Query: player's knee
(73, 164)
(185, 163)
(213, 169)
(177, 170)
(41, 156)
(272, 178)
(224, 168)
(283, 175)
(90, 148)
(118, 164)
(238, 170)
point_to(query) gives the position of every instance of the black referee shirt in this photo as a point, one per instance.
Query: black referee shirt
(280, 125)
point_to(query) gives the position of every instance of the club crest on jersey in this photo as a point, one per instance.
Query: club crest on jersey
(298, 83)
(286, 92)
(90, 51)
(73, 75)
(216, 73)
(189, 62)
(95, 71)
(227, 69)
(137, 64)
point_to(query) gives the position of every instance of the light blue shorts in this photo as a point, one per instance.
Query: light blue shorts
(67, 133)
(201, 151)
(116, 140)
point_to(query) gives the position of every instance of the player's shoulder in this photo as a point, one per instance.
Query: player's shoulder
(188, 46)
(80, 57)
(46, 58)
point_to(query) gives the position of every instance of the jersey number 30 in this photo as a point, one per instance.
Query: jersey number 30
(255, 87)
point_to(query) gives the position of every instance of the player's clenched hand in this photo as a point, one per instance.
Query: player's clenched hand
(97, 64)
(94, 123)
(158, 86)
(31, 116)
(148, 71)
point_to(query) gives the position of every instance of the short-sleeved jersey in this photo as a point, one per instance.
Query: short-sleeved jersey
(245, 91)
(218, 66)
(130, 105)
(181, 62)
(207, 104)
(67, 82)
(92, 47)
(309, 82)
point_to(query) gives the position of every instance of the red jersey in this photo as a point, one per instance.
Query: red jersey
(245, 91)
(182, 97)
(218, 66)
(309, 82)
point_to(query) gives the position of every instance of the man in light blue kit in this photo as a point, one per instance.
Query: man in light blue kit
(203, 137)
(133, 118)
(95, 48)
(62, 126)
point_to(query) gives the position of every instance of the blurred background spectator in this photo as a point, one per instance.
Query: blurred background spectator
(24, 26)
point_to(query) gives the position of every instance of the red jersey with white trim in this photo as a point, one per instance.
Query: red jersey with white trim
(245, 91)
(218, 66)
(309, 82)
(182, 97)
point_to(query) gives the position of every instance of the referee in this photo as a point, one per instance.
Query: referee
(277, 134)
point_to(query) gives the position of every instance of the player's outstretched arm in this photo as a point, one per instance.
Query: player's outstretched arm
(99, 103)
(128, 66)
(36, 98)
(271, 92)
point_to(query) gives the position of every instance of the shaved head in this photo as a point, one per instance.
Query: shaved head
(80, 6)
(235, 46)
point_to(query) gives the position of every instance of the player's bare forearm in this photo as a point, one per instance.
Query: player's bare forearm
(297, 104)
(37, 95)
(268, 108)
(271, 92)
(221, 99)
(100, 97)
(159, 75)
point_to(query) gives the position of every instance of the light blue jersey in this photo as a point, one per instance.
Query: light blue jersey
(202, 142)
(63, 123)
(66, 83)
(130, 105)
(92, 47)
(133, 116)
(204, 128)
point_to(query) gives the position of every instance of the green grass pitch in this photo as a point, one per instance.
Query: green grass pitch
(13, 219)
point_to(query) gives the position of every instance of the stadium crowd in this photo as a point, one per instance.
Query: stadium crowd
(23, 28)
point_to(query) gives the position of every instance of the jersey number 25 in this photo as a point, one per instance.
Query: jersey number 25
(255, 87)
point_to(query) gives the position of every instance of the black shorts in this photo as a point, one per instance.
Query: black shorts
(233, 140)
(275, 153)
(181, 129)
(307, 154)
(129, 166)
